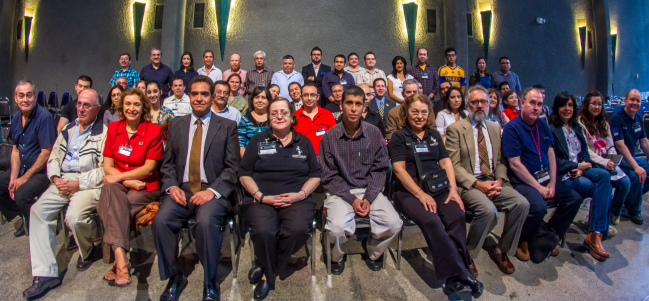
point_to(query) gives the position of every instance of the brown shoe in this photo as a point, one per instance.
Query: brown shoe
(123, 277)
(593, 243)
(502, 260)
(473, 268)
(522, 252)
(110, 276)
(555, 252)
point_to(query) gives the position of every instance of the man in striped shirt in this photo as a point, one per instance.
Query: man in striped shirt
(259, 75)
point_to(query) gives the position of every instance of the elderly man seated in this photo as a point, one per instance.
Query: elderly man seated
(75, 169)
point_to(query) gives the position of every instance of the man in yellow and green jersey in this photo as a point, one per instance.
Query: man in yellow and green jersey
(451, 72)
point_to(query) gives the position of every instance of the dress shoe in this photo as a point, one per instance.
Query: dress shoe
(255, 274)
(374, 265)
(261, 290)
(83, 265)
(473, 267)
(40, 286)
(555, 252)
(635, 218)
(502, 260)
(21, 231)
(174, 288)
(337, 268)
(476, 286)
(123, 275)
(455, 286)
(612, 232)
(522, 252)
(211, 292)
(593, 243)
(111, 274)
(615, 220)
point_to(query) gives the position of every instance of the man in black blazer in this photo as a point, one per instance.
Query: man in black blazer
(381, 104)
(199, 171)
(314, 72)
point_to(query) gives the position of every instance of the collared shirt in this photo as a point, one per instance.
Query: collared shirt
(627, 128)
(38, 133)
(180, 107)
(283, 80)
(131, 75)
(315, 128)
(574, 146)
(476, 168)
(348, 70)
(256, 79)
(239, 103)
(283, 170)
(214, 73)
(248, 127)
(454, 75)
(331, 78)
(297, 104)
(521, 140)
(145, 144)
(350, 162)
(186, 76)
(192, 129)
(316, 67)
(397, 85)
(371, 117)
(75, 141)
(242, 73)
(380, 102)
(229, 113)
(446, 118)
(511, 113)
(427, 78)
(402, 151)
(366, 77)
(163, 75)
(511, 78)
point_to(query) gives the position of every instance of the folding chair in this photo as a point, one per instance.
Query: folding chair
(65, 99)
(40, 99)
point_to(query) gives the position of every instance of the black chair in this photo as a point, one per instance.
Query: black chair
(40, 99)
(609, 112)
(53, 101)
(65, 99)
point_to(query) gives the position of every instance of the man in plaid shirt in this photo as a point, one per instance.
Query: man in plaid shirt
(131, 75)
(425, 74)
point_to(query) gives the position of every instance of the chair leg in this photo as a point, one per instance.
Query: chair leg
(252, 250)
(313, 246)
(399, 248)
(66, 232)
(233, 248)
(325, 238)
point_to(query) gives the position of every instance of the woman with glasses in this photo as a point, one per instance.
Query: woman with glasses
(279, 170)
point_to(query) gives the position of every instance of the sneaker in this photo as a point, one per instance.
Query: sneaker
(611, 231)
(615, 220)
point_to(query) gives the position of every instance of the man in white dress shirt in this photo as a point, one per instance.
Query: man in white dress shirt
(209, 69)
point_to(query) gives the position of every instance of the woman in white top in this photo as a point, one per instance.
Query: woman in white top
(454, 110)
(397, 77)
(592, 119)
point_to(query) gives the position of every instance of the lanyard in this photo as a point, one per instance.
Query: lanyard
(537, 142)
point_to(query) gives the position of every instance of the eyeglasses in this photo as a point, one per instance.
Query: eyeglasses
(474, 103)
(86, 106)
(284, 114)
(417, 113)
(312, 95)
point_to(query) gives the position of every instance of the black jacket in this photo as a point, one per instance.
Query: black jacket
(562, 152)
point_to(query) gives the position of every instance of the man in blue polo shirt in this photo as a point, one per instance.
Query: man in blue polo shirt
(628, 129)
(32, 134)
(528, 145)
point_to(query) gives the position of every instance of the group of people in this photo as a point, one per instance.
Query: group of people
(349, 132)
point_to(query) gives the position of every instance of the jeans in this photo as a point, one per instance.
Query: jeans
(622, 188)
(633, 201)
(595, 183)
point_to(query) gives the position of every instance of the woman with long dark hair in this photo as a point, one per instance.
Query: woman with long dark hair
(510, 103)
(494, 114)
(454, 110)
(481, 76)
(397, 77)
(186, 71)
(108, 108)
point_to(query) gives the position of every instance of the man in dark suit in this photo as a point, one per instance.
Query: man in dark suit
(198, 175)
(314, 72)
(381, 103)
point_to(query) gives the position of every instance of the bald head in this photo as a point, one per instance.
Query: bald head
(87, 107)
(633, 93)
(632, 102)
(235, 62)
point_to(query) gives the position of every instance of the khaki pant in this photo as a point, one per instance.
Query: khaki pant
(42, 228)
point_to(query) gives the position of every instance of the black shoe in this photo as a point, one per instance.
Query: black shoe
(635, 218)
(83, 265)
(455, 286)
(261, 290)
(255, 274)
(211, 292)
(337, 268)
(40, 286)
(21, 231)
(174, 288)
(476, 286)
(374, 265)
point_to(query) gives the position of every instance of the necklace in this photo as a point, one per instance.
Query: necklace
(258, 124)
(130, 132)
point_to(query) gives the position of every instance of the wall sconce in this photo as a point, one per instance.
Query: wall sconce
(222, 16)
(138, 20)
(613, 44)
(410, 13)
(27, 23)
(485, 16)
(581, 25)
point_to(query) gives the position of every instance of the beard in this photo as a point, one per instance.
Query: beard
(477, 117)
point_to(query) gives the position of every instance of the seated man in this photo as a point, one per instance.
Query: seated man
(528, 145)
(410, 86)
(75, 168)
(32, 135)
(179, 101)
(196, 181)
(629, 133)
(312, 120)
(483, 182)
(334, 106)
(354, 183)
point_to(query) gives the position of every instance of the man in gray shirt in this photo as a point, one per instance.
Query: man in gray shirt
(504, 75)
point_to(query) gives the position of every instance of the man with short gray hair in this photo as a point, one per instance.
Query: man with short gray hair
(410, 86)
(259, 75)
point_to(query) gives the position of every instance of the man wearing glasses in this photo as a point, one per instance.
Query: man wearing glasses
(451, 72)
(314, 72)
(483, 183)
(504, 75)
(313, 121)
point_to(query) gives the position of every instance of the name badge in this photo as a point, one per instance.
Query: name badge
(125, 150)
(261, 84)
(565, 177)
(343, 81)
(421, 148)
(267, 148)
(542, 176)
(320, 132)
(637, 128)
(425, 75)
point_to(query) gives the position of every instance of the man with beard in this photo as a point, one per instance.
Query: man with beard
(483, 182)
(314, 72)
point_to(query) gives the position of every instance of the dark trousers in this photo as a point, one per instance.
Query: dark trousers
(444, 231)
(568, 202)
(24, 197)
(208, 233)
(278, 233)
(633, 201)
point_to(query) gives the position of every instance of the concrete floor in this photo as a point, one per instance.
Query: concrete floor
(573, 275)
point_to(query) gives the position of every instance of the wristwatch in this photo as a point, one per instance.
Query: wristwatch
(474, 184)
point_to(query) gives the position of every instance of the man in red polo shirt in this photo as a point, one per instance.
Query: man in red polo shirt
(312, 120)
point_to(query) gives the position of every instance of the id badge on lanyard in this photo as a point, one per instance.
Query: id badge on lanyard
(320, 131)
(343, 81)
(125, 150)
(421, 147)
(542, 175)
(424, 75)
(267, 148)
